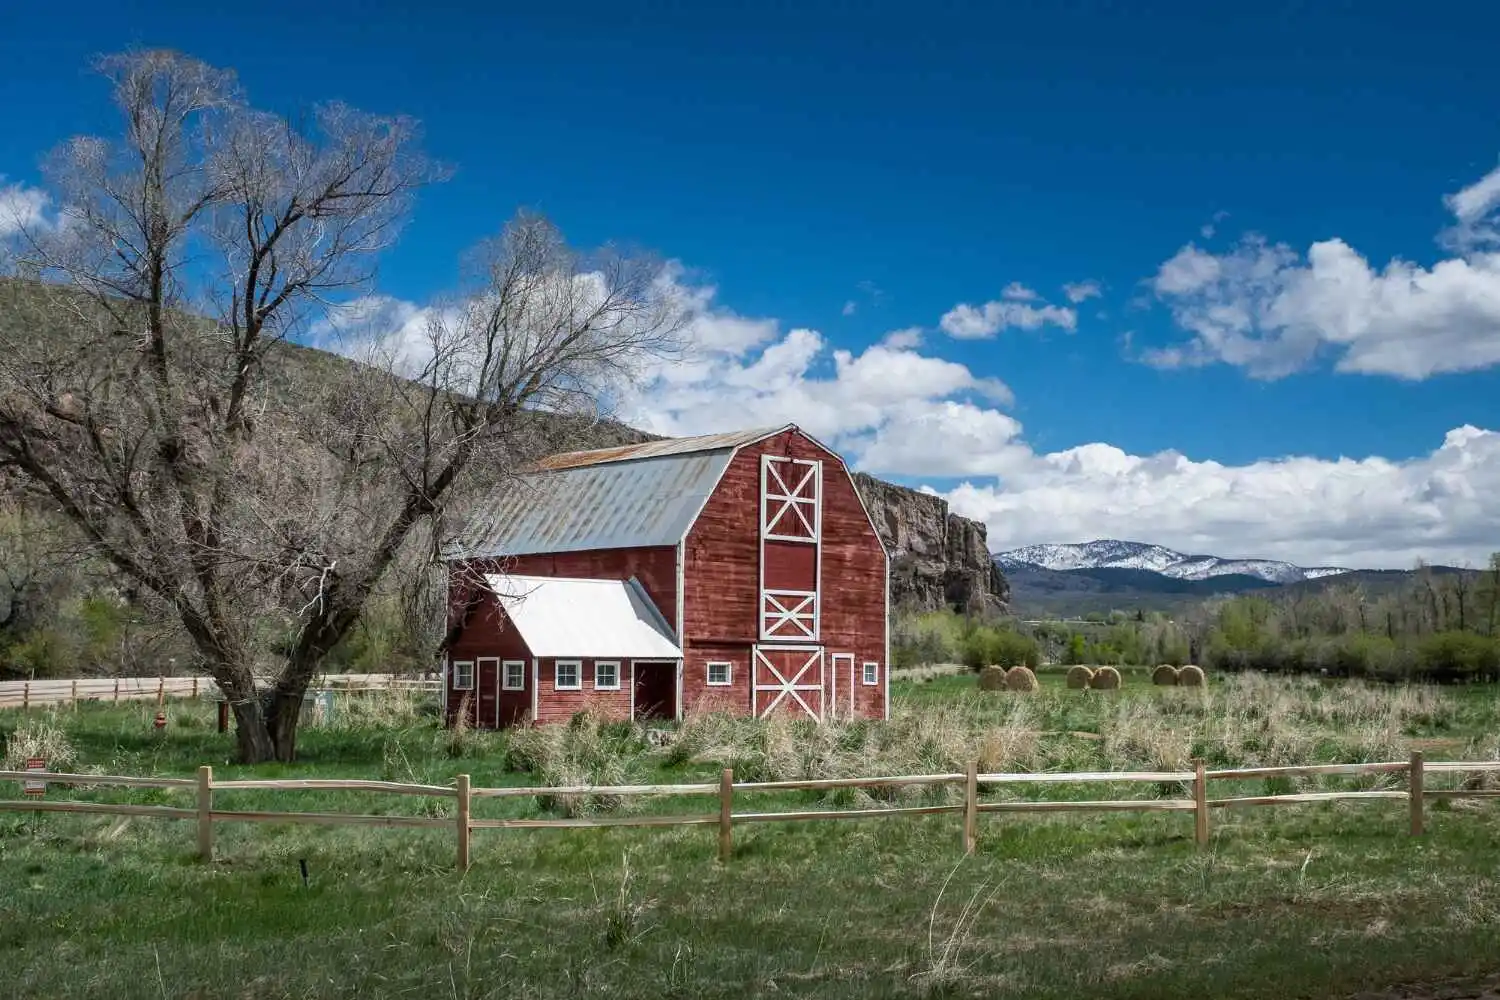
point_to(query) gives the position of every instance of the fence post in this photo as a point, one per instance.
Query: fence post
(26, 697)
(206, 813)
(971, 808)
(1200, 803)
(117, 689)
(726, 813)
(1415, 792)
(463, 822)
(75, 696)
(195, 685)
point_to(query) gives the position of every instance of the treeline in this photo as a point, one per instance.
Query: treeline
(1443, 627)
(1434, 626)
(63, 613)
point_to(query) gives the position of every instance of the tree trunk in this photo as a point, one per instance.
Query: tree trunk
(283, 713)
(251, 735)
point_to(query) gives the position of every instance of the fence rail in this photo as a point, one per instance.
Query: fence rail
(727, 789)
(29, 694)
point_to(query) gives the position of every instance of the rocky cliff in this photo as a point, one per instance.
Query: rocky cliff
(938, 559)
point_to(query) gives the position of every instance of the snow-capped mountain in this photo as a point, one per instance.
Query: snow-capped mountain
(1112, 554)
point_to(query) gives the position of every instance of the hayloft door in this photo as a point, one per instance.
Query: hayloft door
(791, 514)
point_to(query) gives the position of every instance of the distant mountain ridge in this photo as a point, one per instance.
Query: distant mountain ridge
(1112, 554)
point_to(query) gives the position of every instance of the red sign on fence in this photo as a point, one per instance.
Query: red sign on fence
(29, 786)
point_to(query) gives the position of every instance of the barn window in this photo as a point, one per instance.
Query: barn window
(872, 673)
(463, 675)
(515, 676)
(607, 675)
(719, 673)
(567, 675)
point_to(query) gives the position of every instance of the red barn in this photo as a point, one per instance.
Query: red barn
(733, 571)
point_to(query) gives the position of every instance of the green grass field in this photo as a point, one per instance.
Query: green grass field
(1310, 900)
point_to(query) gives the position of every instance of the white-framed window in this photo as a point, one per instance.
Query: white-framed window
(607, 675)
(463, 675)
(514, 677)
(567, 675)
(720, 673)
(871, 673)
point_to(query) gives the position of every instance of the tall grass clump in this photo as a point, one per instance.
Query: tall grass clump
(586, 751)
(42, 738)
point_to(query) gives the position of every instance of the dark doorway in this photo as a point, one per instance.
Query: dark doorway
(655, 690)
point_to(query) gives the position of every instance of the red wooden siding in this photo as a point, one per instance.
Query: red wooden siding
(488, 633)
(791, 566)
(721, 587)
(698, 696)
(555, 705)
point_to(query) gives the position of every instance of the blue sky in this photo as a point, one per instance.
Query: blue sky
(910, 159)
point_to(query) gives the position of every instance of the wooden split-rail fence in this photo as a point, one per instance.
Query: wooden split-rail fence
(206, 813)
(26, 695)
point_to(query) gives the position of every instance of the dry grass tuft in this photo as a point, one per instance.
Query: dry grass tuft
(583, 752)
(42, 738)
(992, 679)
(1079, 677)
(1021, 679)
(1105, 679)
(1190, 677)
(1165, 675)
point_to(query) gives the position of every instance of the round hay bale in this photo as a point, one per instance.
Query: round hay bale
(992, 679)
(1079, 677)
(1105, 679)
(1021, 679)
(1164, 675)
(1191, 677)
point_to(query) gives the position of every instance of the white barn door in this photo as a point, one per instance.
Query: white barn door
(788, 679)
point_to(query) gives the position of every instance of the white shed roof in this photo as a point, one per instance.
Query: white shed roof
(564, 616)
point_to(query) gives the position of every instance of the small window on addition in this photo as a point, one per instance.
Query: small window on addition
(607, 675)
(463, 675)
(719, 674)
(515, 676)
(567, 675)
(872, 673)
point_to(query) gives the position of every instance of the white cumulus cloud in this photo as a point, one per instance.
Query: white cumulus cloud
(1018, 292)
(21, 208)
(969, 322)
(1082, 291)
(1272, 311)
(897, 410)
(1364, 512)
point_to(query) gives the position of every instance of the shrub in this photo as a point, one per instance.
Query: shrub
(1165, 675)
(985, 645)
(1105, 679)
(1021, 679)
(1079, 677)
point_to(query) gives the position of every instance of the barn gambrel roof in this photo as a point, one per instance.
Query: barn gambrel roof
(610, 498)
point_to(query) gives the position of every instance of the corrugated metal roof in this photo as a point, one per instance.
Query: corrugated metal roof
(584, 618)
(608, 505)
(654, 449)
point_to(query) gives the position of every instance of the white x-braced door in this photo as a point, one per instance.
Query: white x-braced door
(788, 679)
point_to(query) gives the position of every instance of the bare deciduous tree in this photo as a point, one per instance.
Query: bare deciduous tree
(150, 388)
